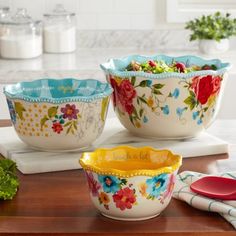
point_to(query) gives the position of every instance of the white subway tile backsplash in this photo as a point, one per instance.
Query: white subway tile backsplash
(5, 2)
(135, 6)
(86, 21)
(143, 21)
(113, 21)
(97, 6)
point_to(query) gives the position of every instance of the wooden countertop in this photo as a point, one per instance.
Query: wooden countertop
(58, 204)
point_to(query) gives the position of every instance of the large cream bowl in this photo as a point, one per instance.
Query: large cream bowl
(128, 183)
(58, 115)
(167, 105)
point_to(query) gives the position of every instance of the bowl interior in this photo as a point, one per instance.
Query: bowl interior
(117, 66)
(57, 89)
(126, 160)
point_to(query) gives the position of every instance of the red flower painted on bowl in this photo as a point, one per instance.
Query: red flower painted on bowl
(123, 95)
(93, 184)
(216, 84)
(127, 91)
(57, 127)
(126, 95)
(204, 89)
(124, 198)
(194, 84)
(69, 112)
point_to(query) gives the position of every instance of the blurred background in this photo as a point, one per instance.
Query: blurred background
(127, 14)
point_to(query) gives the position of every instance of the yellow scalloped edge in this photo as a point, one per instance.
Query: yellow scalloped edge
(97, 161)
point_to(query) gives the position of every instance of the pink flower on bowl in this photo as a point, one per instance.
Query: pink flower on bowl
(93, 184)
(170, 186)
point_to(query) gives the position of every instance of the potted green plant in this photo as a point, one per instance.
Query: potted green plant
(213, 32)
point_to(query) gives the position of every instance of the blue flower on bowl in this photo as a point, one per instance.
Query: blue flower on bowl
(156, 185)
(111, 184)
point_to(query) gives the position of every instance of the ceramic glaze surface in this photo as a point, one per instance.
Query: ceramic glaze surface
(125, 198)
(72, 118)
(166, 105)
(128, 183)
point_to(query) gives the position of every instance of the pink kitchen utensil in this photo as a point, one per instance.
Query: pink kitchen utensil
(215, 187)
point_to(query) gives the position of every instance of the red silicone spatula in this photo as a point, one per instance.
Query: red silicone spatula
(215, 187)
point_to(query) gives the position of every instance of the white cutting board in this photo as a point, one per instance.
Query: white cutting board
(30, 161)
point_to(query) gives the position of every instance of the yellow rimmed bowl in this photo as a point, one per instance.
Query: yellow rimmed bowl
(128, 183)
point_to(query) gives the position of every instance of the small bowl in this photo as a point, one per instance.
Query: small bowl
(168, 105)
(128, 183)
(58, 115)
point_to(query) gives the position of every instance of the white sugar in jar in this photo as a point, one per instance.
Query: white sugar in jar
(21, 37)
(21, 47)
(59, 32)
(59, 39)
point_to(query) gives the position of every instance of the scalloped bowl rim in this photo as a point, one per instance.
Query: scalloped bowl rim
(177, 161)
(116, 66)
(107, 92)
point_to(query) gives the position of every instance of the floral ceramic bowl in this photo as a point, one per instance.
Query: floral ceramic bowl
(128, 183)
(58, 115)
(166, 105)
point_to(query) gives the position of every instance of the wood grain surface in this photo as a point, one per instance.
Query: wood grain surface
(58, 203)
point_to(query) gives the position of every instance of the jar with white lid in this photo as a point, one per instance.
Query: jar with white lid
(21, 36)
(59, 32)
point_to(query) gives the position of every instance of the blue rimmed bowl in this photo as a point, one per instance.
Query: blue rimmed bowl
(166, 105)
(58, 115)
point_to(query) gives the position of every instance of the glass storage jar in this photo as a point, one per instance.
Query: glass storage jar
(21, 36)
(4, 12)
(59, 32)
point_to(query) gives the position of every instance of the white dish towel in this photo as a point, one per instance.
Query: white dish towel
(182, 191)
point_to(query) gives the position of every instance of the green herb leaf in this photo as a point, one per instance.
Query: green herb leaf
(216, 26)
(8, 179)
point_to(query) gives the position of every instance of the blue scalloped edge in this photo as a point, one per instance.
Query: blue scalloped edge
(116, 66)
(107, 92)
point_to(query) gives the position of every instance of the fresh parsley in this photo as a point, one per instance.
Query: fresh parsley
(8, 179)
